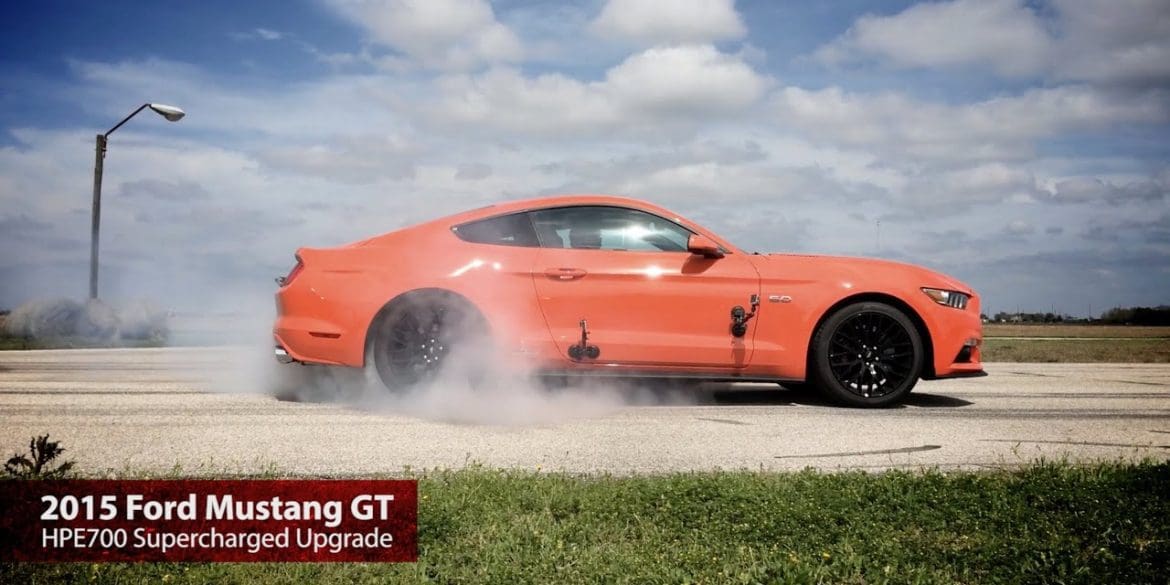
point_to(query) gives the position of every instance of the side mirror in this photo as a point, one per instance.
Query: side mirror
(703, 246)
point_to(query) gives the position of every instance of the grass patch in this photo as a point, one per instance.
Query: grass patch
(1080, 331)
(1108, 523)
(1075, 343)
(16, 342)
(10, 342)
(1082, 350)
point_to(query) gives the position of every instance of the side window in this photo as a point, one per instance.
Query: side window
(505, 230)
(608, 228)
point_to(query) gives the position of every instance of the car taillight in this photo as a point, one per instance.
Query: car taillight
(286, 280)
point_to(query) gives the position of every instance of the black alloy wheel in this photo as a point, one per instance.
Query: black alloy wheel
(418, 336)
(867, 354)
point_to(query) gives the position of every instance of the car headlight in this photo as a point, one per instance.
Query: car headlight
(949, 298)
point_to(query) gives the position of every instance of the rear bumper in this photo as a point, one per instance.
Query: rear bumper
(307, 346)
(311, 328)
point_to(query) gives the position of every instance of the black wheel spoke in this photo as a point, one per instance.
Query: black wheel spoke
(416, 343)
(844, 361)
(895, 371)
(846, 345)
(871, 354)
(893, 327)
(404, 336)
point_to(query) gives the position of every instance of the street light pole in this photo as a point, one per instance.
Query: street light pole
(99, 156)
(172, 114)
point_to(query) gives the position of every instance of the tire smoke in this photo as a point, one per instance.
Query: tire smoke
(68, 323)
(457, 395)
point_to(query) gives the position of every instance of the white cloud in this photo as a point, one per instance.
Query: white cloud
(1100, 41)
(684, 79)
(653, 22)
(995, 129)
(660, 87)
(1091, 189)
(220, 200)
(1000, 34)
(350, 158)
(953, 157)
(1019, 227)
(440, 34)
(236, 106)
(986, 183)
(259, 34)
(1113, 41)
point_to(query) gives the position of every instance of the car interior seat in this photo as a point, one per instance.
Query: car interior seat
(549, 238)
(589, 238)
(585, 238)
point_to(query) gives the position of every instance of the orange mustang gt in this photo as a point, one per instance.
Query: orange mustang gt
(613, 286)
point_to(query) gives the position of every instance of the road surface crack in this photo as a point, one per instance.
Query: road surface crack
(858, 453)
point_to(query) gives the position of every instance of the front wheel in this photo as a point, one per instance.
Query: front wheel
(867, 354)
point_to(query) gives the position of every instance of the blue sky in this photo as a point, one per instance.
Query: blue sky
(1020, 146)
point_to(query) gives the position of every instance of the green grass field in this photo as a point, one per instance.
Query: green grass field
(1108, 523)
(1075, 343)
(1078, 331)
(1085, 350)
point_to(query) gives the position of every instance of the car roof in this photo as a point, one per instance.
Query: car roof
(558, 201)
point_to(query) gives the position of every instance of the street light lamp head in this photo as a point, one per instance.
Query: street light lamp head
(171, 113)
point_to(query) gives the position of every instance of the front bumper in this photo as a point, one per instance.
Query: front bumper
(957, 337)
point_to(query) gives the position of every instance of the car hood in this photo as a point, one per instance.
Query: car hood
(860, 271)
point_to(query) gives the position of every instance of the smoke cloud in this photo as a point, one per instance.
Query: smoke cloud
(67, 322)
(454, 396)
(246, 366)
(242, 362)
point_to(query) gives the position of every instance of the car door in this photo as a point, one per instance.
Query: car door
(645, 299)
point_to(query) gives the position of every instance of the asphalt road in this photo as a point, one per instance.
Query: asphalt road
(205, 411)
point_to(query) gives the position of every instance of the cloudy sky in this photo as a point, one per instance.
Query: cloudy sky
(1023, 147)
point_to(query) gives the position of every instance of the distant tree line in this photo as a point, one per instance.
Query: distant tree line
(1157, 316)
(1004, 317)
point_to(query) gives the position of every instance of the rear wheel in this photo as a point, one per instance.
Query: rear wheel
(425, 333)
(867, 354)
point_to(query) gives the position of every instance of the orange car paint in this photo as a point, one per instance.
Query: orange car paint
(656, 312)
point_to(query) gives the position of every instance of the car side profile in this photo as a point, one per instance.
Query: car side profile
(608, 286)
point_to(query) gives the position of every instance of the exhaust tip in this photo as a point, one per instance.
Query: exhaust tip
(283, 357)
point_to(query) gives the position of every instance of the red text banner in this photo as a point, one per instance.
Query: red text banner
(209, 520)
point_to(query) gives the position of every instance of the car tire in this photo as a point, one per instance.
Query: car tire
(867, 354)
(424, 334)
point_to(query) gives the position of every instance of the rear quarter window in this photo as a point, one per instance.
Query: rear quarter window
(505, 230)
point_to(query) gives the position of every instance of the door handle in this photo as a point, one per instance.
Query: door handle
(564, 273)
